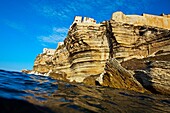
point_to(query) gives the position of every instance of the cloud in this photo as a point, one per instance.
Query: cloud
(57, 35)
(53, 39)
(14, 25)
(66, 9)
(60, 30)
(46, 11)
(50, 10)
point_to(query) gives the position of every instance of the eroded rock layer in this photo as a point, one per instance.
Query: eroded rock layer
(88, 49)
(138, 41)
(118, 77)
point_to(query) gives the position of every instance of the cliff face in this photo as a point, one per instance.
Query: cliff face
(43, 63)
(88, 49)
(88, 46)
(138, 41)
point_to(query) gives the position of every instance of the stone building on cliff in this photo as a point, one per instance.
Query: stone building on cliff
(162, 21)
(48, 51)
(81, 20)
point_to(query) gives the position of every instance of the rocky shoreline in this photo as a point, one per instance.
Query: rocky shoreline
(127, 52)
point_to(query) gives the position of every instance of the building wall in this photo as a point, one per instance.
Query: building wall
(49, 51)
(81, 20)
(60, 43)
(88, 20)
(145, 19)
(78, 19)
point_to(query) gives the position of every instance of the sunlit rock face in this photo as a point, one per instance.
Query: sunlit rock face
(88, 49)
(43, 63)
(138, 41)
(61, 61)
(88, 46)
(118, 77)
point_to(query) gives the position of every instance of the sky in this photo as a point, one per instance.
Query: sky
(28, 26)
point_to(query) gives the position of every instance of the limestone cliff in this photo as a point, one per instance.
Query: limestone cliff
(88, 49)
(84, 53)
(88, 46)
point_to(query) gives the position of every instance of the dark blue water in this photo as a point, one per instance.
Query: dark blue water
(65, 97)
(18, 85)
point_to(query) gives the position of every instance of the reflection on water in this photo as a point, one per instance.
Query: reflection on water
(60, 96)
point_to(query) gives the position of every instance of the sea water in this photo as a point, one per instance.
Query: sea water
(59, 96)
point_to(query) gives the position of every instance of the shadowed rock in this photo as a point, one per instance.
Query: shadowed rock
(91, 80)
(156, 77)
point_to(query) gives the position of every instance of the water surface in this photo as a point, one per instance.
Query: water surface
(64, 97)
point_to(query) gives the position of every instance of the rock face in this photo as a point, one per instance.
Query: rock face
(160, 76)
(156, 77)
(138, 41)
(152, 72)
(118, 77)
(88, 46)
(43, 63)
(88, 49)
(84, 53)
